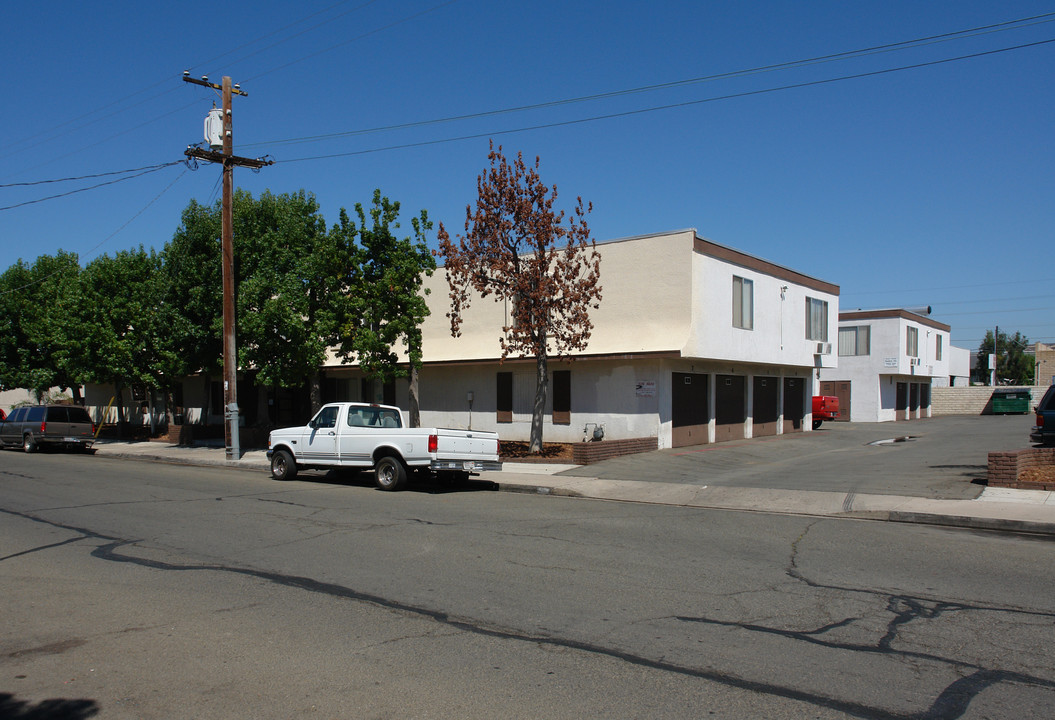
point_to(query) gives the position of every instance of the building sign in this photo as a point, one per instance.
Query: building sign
(646, 388)
(890, 362)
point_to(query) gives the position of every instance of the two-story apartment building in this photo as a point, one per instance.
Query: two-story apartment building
(888, 361)
(693, 343)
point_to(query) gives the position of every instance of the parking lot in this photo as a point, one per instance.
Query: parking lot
(943, 458)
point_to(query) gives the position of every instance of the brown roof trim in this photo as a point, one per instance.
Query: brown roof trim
(883, 314)
(720, 252)
(658, 354)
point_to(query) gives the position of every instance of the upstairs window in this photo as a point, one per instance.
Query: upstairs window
(855, 340)
(743, 303)
(937, 347)
(816, 319)
(912, 342)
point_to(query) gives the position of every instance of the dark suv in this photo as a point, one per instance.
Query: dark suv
(1044, 432)
(37, 426)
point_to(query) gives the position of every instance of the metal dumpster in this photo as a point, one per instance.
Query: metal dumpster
(1011, 401)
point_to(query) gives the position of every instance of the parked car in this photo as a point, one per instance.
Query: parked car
(368, 436)
(39, 426)
(825, 407)
(1044, 431)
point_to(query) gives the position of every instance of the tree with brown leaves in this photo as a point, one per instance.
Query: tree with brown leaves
(518, 249)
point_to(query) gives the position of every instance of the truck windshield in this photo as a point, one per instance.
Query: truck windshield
(373, 417)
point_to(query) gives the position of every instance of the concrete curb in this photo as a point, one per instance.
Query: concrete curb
(974, 523)
(1010, 517)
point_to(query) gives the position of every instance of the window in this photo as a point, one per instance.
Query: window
(937, 347)
(327, 418)
(912, 342)
(375, 417)
(562, 397)
(743, 303)
(855, 340)
(816, 319)
(504, 404)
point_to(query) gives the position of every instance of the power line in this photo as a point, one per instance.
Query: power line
(953, 287)
(104, 240)
(90, 187)
(862, 52)
(671, 106)
(22, 144)
(86, 177)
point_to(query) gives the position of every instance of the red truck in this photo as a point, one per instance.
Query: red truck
(825, 407)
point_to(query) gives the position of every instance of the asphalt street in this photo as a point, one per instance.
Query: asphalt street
(146, 590)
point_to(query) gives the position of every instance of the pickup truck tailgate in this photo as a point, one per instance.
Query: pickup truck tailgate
(466, 445)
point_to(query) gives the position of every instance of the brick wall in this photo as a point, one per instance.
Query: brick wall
(975, 400)
(1005, 468)
(585, 453)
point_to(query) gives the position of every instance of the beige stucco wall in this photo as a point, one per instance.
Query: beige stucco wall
(645, 306)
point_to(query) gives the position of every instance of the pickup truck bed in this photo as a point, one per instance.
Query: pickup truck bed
(368, 436)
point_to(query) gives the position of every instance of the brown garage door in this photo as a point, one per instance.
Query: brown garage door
(901, 402)
(730, 408)
(688, 409)
(794, 404)
(841, 390)
(765, 408)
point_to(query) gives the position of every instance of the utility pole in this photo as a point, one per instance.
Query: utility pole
(229, 160)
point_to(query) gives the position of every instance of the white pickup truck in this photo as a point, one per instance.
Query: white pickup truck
(361, 435)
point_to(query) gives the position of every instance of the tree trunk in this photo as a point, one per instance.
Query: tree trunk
(263, 416)
(415, 409)
(170, 417)
(76, 391)
(151, 406)
(207, 405)
(118, 390)
(315, 392)
(539, 408)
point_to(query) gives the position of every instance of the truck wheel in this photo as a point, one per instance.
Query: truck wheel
(390, 473)
(816, 424)
(283, 466)
(29, 444)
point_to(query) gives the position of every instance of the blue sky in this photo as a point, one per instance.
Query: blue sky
(933, 185)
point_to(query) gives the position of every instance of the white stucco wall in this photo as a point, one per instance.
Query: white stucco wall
(778, 336)
(9, 398)
(874, 377)
(603, 392)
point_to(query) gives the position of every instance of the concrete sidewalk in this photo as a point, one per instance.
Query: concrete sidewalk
(1026, 511)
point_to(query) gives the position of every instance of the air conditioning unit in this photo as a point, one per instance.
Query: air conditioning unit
(913, 361)
(823, 349)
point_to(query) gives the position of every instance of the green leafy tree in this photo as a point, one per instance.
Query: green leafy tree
(1013, 365)
(14, 337)
(35, 306)
(517, 248)
(291, 277)
(194, 293)
(388, 303)
(122, 323)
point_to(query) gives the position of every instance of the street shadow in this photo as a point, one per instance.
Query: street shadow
(11, 708)
(365, 479)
